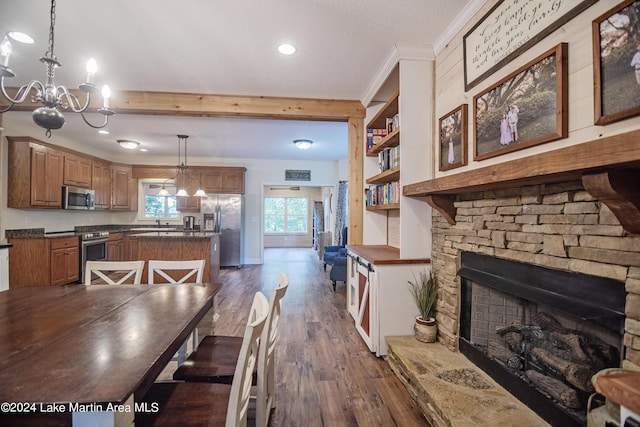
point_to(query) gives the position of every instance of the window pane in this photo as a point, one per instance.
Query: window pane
(274, 205)
(297, 206)
(273, 224)
(154, 207)
(172, 207)
(297, 223)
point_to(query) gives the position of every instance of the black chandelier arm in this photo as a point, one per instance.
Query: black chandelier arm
(106, 120)
(72, 101)
(22, 92)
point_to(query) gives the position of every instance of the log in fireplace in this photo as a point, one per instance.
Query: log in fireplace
(541, 333)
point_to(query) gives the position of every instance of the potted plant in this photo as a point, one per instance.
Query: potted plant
(425, 292)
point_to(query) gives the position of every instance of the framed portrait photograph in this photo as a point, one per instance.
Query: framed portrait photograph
(453, 139)
(616, 63)
(526, 108)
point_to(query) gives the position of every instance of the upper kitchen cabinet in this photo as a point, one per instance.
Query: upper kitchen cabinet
(77, 171)
(34, 174)
(229, 180)
(191, 183)
(124, 188)
(101, 184)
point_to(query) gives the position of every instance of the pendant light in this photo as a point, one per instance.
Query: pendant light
(183, 175)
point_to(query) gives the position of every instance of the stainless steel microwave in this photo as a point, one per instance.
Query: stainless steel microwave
(78, 198)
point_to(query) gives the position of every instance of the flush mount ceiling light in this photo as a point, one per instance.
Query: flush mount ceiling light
(128, 144)
(303, 144)
(286, 49)
(54, 98)
(183, 177)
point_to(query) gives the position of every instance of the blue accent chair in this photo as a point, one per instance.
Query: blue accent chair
(339, 270)
(330, 252)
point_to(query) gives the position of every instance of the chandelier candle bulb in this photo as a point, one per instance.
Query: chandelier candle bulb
(106, 94)
(5, 51)
(92, 67)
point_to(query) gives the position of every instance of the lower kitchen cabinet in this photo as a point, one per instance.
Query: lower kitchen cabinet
(115, 247)
(378, 295)
(44, 261)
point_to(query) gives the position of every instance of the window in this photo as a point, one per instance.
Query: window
(159, 207)
(285, 215)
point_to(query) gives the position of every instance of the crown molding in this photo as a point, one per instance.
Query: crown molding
(463, 18)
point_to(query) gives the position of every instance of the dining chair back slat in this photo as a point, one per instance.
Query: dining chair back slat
(114, 272)
(162, 267)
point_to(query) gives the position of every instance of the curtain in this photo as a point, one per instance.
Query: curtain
(318, 222)
(341, 212)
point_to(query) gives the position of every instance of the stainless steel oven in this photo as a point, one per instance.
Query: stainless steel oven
(93, 247)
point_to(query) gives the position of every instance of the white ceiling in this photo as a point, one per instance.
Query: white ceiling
(223, 47)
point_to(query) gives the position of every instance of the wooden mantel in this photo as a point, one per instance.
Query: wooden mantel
(608, 167)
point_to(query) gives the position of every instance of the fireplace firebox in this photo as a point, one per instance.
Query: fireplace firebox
(541, 333)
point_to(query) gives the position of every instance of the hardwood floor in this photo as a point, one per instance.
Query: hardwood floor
(325, 374)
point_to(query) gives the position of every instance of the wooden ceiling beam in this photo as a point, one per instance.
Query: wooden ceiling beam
(227, 106)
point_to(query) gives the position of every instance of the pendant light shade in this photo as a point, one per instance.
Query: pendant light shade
(183, 175)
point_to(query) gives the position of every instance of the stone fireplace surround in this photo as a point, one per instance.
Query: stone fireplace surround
(555, 225)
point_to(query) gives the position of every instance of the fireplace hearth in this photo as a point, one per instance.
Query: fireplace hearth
(541, 333)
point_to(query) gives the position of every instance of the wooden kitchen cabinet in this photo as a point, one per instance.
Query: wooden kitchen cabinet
(77, 171)
(191, 183)
(124, 189)
(115, 247)
(101, 184)
(229, 180)
(65, 260)
(44, 261)
(34, 175)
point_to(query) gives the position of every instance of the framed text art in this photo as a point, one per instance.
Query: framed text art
(616, 63)
(453, 139)
(510, 28)
(526, 108)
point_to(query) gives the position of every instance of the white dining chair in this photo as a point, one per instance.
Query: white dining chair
(216, 358)
(186, 269)
(186, 403)
(114, 272)
(161, 267)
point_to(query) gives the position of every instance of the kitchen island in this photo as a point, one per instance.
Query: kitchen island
(177, 245)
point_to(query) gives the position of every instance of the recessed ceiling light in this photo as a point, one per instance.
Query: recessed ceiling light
(286, 49)
(103, 132)
(128, 144)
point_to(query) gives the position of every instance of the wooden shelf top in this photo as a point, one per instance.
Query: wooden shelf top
(383, 254)
(389, 175)
(567, 163)
(387, 207)
(379, 121)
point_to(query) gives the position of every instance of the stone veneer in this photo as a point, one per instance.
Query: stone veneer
(557, 226)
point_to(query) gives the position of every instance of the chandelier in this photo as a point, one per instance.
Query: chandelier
(54, 98)
(183, 177)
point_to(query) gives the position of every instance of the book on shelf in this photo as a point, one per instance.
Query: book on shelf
(375, 136)
(389, 158)
(382, 194)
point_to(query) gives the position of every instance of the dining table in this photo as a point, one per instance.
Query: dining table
(85, 355)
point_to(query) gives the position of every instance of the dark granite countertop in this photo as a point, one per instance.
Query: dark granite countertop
(175, 235)
(39, 233)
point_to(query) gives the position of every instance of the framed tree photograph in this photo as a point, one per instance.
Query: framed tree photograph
(453, 139)
(616, 63)
(526, 108)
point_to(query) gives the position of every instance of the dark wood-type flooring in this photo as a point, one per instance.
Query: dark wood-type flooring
(325, 374)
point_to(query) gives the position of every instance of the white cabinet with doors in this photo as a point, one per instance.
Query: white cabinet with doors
(378, 296)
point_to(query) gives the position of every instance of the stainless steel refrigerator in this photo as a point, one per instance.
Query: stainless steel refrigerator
(224, 214)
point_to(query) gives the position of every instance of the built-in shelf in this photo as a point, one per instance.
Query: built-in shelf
(387, 207)
(389, 175)
(389, 141)
(609, 168)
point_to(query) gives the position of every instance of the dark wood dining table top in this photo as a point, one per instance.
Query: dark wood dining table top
(93, 344)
